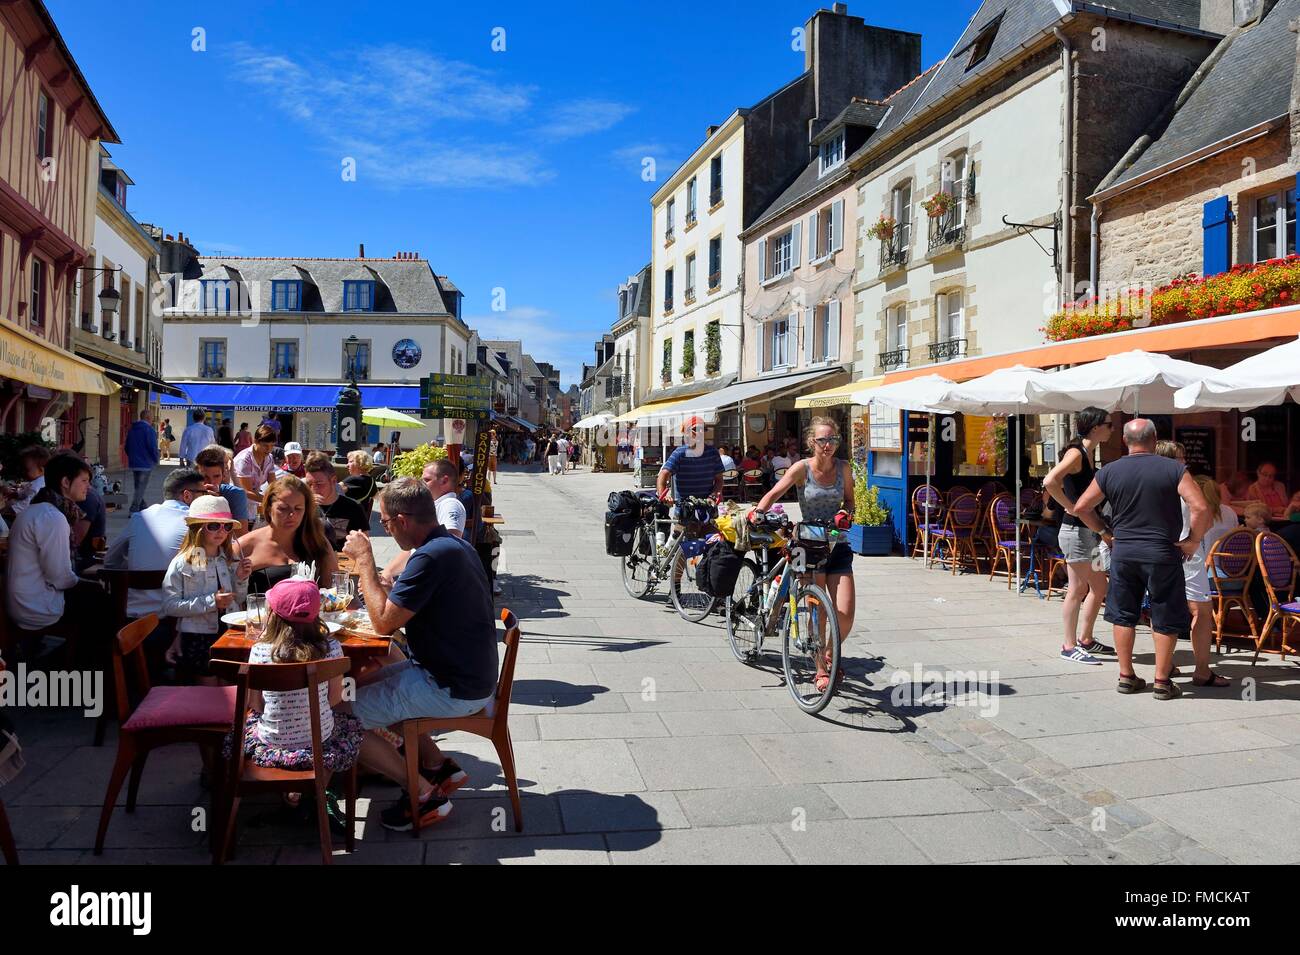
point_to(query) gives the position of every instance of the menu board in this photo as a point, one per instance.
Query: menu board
(886, 428)
(1198, 447)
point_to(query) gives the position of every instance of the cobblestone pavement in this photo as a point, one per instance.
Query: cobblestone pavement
(639, 738)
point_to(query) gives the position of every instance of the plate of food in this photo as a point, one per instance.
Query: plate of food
(239, 619)
(332, 601)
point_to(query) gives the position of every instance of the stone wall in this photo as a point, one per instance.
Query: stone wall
(1153, 233)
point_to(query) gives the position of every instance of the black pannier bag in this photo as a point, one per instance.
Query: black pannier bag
(623, 502)
(619, 531)
(719, 569)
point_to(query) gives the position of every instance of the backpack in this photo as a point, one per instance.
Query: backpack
(718, 570)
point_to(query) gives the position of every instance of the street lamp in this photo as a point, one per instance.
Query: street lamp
(347, 420)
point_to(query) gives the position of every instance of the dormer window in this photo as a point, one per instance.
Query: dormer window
(358, 296)
(832, 153)
(216, 295)
(983, 42)
(286, 296)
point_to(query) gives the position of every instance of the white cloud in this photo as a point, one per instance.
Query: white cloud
(582, 117)
(410, 118)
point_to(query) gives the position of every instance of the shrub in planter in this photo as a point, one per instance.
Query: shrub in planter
(872, 534)
(412, 463)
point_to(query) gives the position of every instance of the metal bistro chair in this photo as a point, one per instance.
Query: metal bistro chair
(751, 482)
(925, 495)
(1231, 562)
(956, 491)
(730, 484)
(1276, 563)
(1002, 519)
(958, 532)
(162, 716)
(494, 726)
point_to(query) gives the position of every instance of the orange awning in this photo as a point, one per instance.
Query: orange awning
(1182, 336)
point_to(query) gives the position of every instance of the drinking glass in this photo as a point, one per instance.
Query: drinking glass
(256, 619)
(343, 585)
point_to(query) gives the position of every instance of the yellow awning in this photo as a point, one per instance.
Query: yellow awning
(26, 357)
(839, 395)
(655, 407)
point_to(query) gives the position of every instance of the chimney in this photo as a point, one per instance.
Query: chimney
(361, 250)
(848, 58)
(711, 130)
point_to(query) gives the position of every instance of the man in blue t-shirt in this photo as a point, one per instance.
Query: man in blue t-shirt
(1146, 493)
(443, 601)
(695, 469)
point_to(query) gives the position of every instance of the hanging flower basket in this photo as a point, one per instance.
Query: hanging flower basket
(938, 204)
(883, 228)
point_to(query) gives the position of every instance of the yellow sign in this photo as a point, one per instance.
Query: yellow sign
(24, 357)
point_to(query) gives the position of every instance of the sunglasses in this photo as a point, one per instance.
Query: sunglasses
(216, 527)
(831, 442)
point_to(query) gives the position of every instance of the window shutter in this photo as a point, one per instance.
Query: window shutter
(1217, 236)
(837, 225)
(762, 259)
(812, 237)
(762, 337)
(940, 316)
(808, 335)
(833, 331)
(795, 242)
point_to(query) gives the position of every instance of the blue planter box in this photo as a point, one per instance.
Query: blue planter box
(872, 541)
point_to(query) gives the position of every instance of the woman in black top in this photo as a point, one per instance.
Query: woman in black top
(359, 485)
(1086, 556)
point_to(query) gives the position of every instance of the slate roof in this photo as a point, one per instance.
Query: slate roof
(406, 286)
(857, 113)
(639, 302)
(1249, 85)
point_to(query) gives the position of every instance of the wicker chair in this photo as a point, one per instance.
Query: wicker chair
(925, 495)
(1276, 563)
(1231, 562)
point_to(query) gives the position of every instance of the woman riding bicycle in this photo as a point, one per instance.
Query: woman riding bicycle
(825, 486)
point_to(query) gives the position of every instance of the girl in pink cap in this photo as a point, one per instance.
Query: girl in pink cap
(278, 731)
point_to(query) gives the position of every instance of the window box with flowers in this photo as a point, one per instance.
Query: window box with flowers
(1247, 287)
(883, 228)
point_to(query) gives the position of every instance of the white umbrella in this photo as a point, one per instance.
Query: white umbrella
(1263, 379)
(1133, 381)
(915, 394)
(595, 421)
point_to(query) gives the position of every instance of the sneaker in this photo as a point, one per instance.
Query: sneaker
(1097, 647)
(447, 778)
(1077, 654)
(397, 817)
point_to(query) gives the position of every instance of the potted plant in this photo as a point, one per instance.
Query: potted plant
(871, 534)
(883, 228)
(938, 204)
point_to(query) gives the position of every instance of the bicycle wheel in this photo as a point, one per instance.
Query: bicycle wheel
(638, 565)
(744, 616)
(810, 643)
(691, 602)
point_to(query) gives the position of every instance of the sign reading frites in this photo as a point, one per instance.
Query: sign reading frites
(456, 396)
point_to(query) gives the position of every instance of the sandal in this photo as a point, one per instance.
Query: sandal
(1215, 680)
(1131, 684)
(1167, 690)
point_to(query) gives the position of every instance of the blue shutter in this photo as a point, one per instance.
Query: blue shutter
(1215, 221)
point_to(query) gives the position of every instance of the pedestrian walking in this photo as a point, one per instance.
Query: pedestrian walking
(1144, 491)
(195, 438)
(141, 457)
(166, 438)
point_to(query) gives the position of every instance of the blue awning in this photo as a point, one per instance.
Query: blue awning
(290, 397)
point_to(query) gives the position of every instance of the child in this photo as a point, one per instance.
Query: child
(204, 579)
(1255, 517)
(1292, 512)
(278, 731)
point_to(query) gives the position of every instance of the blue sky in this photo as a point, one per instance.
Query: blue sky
(517, 169)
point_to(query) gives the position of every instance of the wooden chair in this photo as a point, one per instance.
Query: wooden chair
(751, 483)
(248, 777)
(1231, 562)
(921, 517)
(495, 727)
(1055, 563)
(730, 484)
(7, 846)
(1276, 564)
(163, 715)
(120, 583)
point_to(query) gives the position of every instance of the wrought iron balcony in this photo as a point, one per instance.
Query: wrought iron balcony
(890, 360)
(949, 229)
(948, 350)
(668, 235)
(690, 218)
(213, 371)
(893, 251)
(285, 371)
(715, 280)
(689, 296)
(715, 196)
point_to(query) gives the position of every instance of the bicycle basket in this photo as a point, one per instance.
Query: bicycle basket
(816, 541)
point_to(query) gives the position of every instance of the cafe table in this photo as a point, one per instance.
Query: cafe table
(360, 646)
